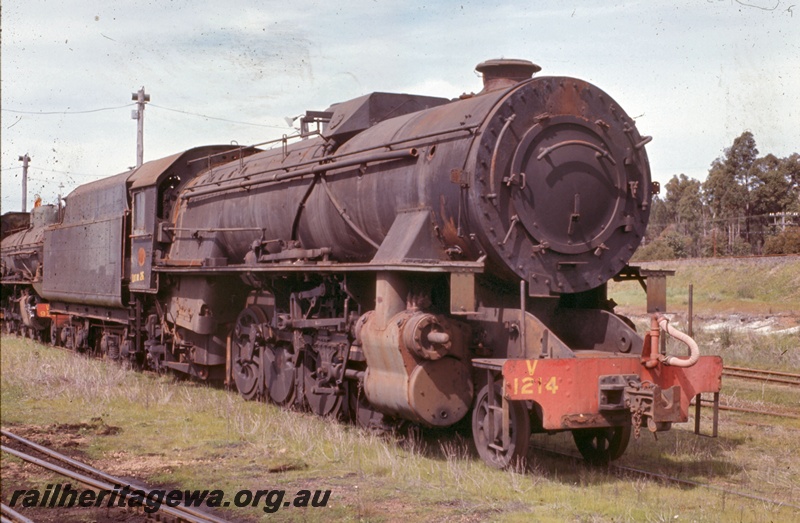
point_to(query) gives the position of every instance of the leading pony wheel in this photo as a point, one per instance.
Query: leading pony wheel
(487, 429)
(601, 445)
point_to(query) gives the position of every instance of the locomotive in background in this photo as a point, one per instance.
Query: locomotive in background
(414, 258)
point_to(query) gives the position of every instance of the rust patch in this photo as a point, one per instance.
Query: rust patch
(567, 99)
(582, 421)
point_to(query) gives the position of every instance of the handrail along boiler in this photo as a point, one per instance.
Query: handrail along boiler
(413, 259)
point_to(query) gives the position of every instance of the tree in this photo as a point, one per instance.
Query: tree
(659, 218)
(771, 186)
(729, 184)
(790, 166)
(771, 196)
(745, 201)
(685, 209)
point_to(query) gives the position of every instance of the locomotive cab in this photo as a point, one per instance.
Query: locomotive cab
(154, 190)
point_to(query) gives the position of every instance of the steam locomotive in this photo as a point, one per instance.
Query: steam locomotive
(404, 259)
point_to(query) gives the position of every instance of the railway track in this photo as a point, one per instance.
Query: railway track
(771, 376)
(9, 515)
(761, 375)
(91, 477)
(764, 376)
(731, 408)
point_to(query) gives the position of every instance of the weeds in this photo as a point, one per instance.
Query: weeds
(746, 291)
(194, 436)
(756, 286)
(725, 337)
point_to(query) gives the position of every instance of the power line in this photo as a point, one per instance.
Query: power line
(71, 173)
(719, 219)
(68, 173)
(220, 119)
(66, 112)
(44, 113)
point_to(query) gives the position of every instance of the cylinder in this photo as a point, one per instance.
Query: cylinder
(407, 377)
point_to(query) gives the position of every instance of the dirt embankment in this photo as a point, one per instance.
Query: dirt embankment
(756, 294)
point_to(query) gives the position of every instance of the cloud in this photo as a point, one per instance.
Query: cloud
(699, 73)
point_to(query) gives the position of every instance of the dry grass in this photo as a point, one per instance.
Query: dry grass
(176, 433)
(755, 286)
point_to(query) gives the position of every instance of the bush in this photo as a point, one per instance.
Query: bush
(668, 246)
(739, 247)
(654, 251)
(787, 242)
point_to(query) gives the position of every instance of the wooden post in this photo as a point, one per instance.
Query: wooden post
(691, 308)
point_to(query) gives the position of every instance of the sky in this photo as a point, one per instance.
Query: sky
(694, 74)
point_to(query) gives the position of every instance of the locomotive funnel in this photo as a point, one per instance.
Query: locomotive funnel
(502, 73)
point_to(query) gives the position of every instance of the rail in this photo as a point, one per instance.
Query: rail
(9, 515)
(107, 481)
(786, 378)
(731, 408)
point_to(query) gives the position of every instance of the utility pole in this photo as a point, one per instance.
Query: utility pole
(138, 114)
(25, 159)
(60, 199)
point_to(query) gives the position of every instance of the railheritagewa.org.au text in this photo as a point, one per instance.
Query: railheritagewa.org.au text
(65, 496)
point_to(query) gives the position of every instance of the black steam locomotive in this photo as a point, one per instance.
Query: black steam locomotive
(406, 258)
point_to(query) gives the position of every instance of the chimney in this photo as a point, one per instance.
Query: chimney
(504, 73)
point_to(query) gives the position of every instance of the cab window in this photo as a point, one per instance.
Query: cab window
(139, 213)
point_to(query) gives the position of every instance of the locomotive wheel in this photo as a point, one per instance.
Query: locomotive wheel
(248, 347)
(327, 403)
(248, 374)
(599, 446)
(487, 430)
(280, 373)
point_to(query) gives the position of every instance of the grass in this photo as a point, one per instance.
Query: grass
(763, 286)
(738, 347)
(181, 434)
(728, 294)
